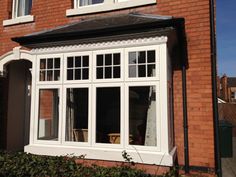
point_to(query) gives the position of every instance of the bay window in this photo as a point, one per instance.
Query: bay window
(101, 102)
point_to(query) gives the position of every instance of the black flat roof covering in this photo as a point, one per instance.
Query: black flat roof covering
(119, 25)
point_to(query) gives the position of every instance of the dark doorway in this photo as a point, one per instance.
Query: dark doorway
(18, 105)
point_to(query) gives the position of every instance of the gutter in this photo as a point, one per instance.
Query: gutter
(218, 169)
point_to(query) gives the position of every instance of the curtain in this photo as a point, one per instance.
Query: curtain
(150, 136)
(70, 115)
(85, 2)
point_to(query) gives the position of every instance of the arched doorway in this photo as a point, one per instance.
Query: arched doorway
(18, 104)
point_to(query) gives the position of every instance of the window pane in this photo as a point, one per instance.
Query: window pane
(108, 58)
(89, 2)
(77, 114)
(151, 58)
(132, 58)
(42, 75)
(49, 75)
(99, 73)
(132, 71)
(142, 71)
(108, 115)
(141, 57)
(50, 63)
(116, 59)
(85, 61)
(48, 114)
(108, 72)
(57, 63)
(116, 72)
(78, 74)
(70, 74)
(85, 74)
(70, 62)
(151, 70)
(28, 6)
(43, 64)
(99, 60)
(77, 61)
(142, 115)
(56, 75)
(20, 8)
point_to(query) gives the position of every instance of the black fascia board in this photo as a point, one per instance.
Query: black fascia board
(36, 39)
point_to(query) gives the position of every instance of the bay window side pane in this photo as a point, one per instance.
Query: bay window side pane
(48, 118)
(142, 115)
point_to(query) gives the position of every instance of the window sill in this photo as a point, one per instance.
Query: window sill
(18, 20)
(109, 154)
(107, 7)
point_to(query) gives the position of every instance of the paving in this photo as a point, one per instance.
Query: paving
(229, 164)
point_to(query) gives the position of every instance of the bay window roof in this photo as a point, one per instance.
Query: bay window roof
(102, 28)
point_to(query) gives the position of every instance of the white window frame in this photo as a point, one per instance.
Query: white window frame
(48, 142)
(157, 63)
(161, 154)
(111, 51)
(26, 18)
(63, 128)
(107, 5)
(158, 120)
(39, 57)
(74, 54)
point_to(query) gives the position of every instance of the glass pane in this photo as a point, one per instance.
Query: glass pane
(28, 6)
(42, 63)
(151, 58)
(108, 72)
(57, 63)
(132, 71)
(48, 114)
(132, 58)
(77, 61)
(70, 74)
(85, 73)
(116, 72)
(141, 57)
(116, 59)
(89, 2)
(78, 74)
(151, 71)
(56, 75)
(20, 8)
(99, 60)
(108, 58)
(49, 75)
(142, 71)
(77, 114)
(142, 115)
(85, 61)
(108, 115)
(70, 62)
(99, 73)
(50, 63)
(42, 75)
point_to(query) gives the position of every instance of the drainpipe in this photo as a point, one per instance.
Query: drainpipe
(214, 90)
(185, 115)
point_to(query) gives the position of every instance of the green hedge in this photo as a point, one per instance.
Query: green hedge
(22, 164)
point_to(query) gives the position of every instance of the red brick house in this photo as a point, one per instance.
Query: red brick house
(227, 88)
(98, 77)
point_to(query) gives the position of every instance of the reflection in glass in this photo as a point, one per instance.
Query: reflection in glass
(48, 114)
(77, 114)
(142, 115)
(89, 2)
(108, 115)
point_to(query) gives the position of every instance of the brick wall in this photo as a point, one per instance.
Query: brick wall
(49, 14)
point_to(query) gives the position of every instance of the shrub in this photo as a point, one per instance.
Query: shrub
(27, 165)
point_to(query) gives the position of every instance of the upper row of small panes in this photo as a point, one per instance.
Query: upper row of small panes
(108, 66)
